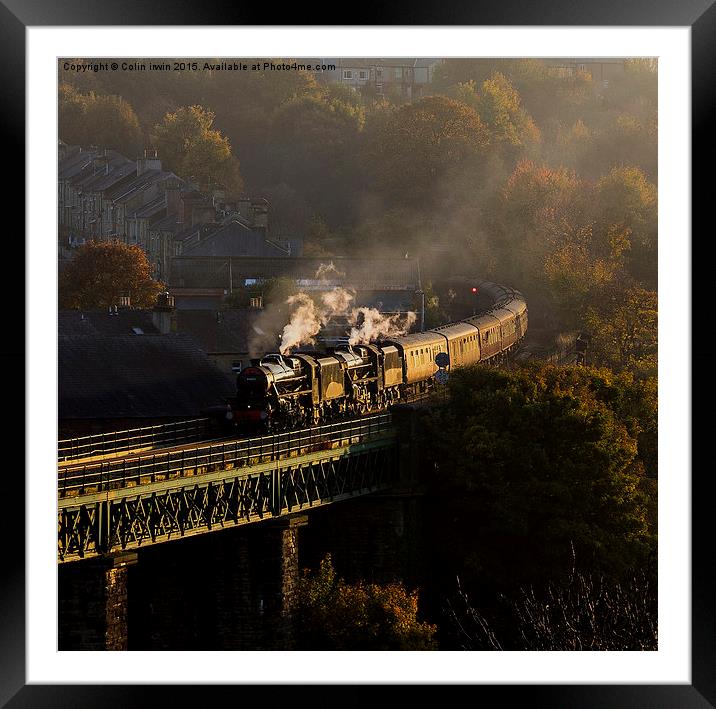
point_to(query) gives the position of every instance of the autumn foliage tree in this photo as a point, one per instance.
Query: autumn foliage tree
(190, 146)
(104, 271)
(335, 615)
(499, 106)
(625, 332)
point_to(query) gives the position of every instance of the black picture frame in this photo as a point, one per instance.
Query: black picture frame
(17, 15)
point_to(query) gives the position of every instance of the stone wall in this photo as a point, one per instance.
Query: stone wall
(93, 603)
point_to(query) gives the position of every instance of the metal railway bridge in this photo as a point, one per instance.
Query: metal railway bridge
(123, 495)
(115, 495)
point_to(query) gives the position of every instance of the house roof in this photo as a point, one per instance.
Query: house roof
(203, 230)
(103, 180)
(235, 239)
(125, 192)
(122, 376)
(219, 330)
(168, 223)
(99, 322)
(74, 164)
(151, 209)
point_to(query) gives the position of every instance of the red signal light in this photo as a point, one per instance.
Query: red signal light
(473, 289)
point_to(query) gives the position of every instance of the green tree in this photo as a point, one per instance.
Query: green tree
(416, 153)
(245, 103)
(335, 615)
(530, 462)
(313, 146)
(625, 197)
(190, 146)
(98, 119)
(102, 272)
(625, 332)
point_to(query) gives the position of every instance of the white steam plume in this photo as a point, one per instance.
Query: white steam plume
(309, 315)
(368, 325)
(305, 323)
(336, 302)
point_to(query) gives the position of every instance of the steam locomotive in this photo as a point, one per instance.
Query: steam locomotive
(302, 389)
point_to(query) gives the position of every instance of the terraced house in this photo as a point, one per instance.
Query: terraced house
(104, 195)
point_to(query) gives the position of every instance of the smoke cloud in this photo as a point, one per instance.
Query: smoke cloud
(369, 325)
(309, 315)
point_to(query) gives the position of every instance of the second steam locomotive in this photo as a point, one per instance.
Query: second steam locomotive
(302, 389)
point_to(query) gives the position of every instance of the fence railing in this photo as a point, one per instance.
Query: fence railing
(158, 466)
(131, 439)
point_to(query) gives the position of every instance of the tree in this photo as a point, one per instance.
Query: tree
(535, 212)
(189, 145)
(624, 335)
(530, 462)
(245, 103)
(104, 271)
(625, 197)
(98, 119)
(312, 147)
(335, 615)
(420, 152)
(580, 279)
(499, 106)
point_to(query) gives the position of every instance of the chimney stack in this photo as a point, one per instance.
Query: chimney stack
(164, 314)
(148, 163)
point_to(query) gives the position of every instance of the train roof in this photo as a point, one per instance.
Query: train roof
(502, 314)
(455, 329)
(516, 304)
(483, 321)
(418, 339)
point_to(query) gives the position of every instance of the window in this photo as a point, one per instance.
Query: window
(347, 74)
(362, 74)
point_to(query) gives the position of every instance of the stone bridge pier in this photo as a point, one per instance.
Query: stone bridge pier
(231, 590)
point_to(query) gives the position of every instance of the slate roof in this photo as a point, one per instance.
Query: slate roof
(124, 376)
(157, 205)
(126, 191)
(99, 322)
(74, 164)
(235, 239)
(119, 170)
(203, 229)
(218, 330)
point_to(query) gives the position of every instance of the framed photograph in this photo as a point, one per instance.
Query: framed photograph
(111, 49)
